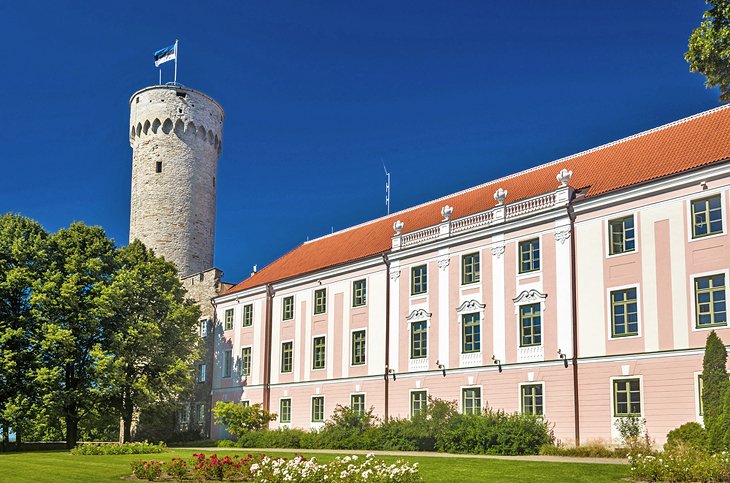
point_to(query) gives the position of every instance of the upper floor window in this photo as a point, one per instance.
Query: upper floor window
(626, 397)
(247, 315)
(358, 347)
(227, 363)
(710, 307)
(531, 399)
(246, 361)
(621, 235)
(419, 339)
(419, 402)
(530, 255)
(359, 293)
(318, 409)
(202, 372)
(204, 328)
(624, 313)
(287, 356)
(357, 404)
(470, 268)
(287, 308)
(471, 400)
(530, 325)
(419, 280)
(228, 319)
(320, 301)
(706, 216)
(470, 333)
(285, 411)
(318, 353)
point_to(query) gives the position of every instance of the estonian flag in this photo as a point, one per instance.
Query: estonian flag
(166, 54)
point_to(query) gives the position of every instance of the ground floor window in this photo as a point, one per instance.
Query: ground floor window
(471, 398)
(357, 403)
(285, 411)
(318, 409)
(626, 397)
(419, 402)
(531, 399)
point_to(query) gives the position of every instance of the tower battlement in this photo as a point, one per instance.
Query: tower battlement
(176, 137)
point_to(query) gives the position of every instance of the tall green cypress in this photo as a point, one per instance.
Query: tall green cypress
(715, 387)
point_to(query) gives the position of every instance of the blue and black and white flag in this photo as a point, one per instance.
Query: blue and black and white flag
(166, 54)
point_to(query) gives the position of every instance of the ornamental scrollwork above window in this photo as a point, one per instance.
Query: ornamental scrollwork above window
(470, 306)
(419, 314)
(529, 297)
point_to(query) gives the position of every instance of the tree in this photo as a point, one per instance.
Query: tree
(709, 47)
(65, 300)
(151, 342)
(239, 419)
(714, 389)
(22, 256)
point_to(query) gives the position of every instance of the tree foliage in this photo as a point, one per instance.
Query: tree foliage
(239, 419)
(709, 47)
(715, 390)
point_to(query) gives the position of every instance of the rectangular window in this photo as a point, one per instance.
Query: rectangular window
(246, 361)
(318, 353)
(357, 404)
(531, 398)
(359, 293)
(358, 347)
(471, 398)
(706, 216)
(419, 402)
(626, 397)
(700, 390)
(204, 328)
(228, 318)
(470, 268)
(202, 372)
(470, 333)
(287, 356)
(318, 409)
(710, 308)
(200, 413)
(621, 235)
(419, 280)
(624, 313)
(285, 411)
(227, 363)
(419, 339)
(530, 325)
(248, 315)
(287, 308)
(245, 403)
(530, 255)
(320, 301)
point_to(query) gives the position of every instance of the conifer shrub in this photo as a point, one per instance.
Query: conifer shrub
(689, 434)
(715, 397)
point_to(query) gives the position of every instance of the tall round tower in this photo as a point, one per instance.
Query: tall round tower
(175, 136)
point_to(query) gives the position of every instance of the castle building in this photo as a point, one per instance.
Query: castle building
(176, 134)
(581, 290)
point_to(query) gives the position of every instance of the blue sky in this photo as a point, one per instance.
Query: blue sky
(449, 94)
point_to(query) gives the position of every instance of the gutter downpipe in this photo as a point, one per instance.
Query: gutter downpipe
(574, 309)
(387, 330)
(267, 347)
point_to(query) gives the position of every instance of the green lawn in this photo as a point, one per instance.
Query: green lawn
(64, 467)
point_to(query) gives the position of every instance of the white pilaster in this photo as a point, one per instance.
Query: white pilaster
(498, 309)
(395, 283)
(564, 288)
(443, 314)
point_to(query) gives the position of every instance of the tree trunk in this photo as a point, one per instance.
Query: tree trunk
(72, 430)
(18, 440)
(127, 416)
(6, 438)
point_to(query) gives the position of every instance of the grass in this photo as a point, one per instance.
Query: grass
(61, 466)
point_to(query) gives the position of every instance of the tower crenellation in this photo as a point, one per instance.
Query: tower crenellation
(176, 135)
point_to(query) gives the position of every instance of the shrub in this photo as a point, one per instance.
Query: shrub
(715, 386)
(633, 434)
(590, 450)
(114, 448)
(680, 463)
(278, 438)
(688, 434)
(147, 470)
(176, 468)
(239, 419)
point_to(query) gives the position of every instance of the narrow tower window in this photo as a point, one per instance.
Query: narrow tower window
(158, 167)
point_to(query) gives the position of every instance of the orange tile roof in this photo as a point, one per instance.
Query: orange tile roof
(670, 149)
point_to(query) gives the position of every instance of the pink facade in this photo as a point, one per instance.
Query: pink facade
(601, 294)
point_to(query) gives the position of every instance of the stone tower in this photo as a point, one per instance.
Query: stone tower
(175, 136)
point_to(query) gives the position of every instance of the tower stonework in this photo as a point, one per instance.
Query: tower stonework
(175, 134)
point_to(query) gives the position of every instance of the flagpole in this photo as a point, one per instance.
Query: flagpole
(160, 75)
(175, 79)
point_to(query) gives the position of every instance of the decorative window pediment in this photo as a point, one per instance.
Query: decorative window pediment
(419, 314)
(470, 306)
(529, 297)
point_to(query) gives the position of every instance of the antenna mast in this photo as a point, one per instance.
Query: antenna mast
(387, 188)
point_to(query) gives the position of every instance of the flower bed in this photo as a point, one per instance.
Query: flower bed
(116, 448)
(682, 463)
(262, 468)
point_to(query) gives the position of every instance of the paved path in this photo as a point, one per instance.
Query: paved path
(426, 454)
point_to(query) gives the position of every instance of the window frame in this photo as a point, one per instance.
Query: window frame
(227, 364)
(281, 357)
(412, 334)
(245, 373)
(475, 272)
(411, 413)
(423, 279)
(532, 270)
(247, 315)
(609, 232)
(319, 308)
(202, 373)
(281, 410)
(353, 363)
(314, 352)
(522, 387)
(287, 314)
(614, 397)
(364, 403)
(694, 305)
(228, 321)
(521, 329)
(362, 301)
(311, 414)
(611, 329)
(478, 342)
(691, 225)
(203, 327)
(463, 390)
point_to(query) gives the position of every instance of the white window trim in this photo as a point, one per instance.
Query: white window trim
(281, 352)
(428, 337)
(425, 294)
(607, 233)
(468, 286)
(696, 383)
(639, 310)
(243, 315)
(480, 313)
(223, 369)
(461, 396)
(233, 320)
(202, 371)
(360, 393)
(291, 412)
(544, 394)
(317, 424)
(293, 306)
(314, 301)
(251, 362)
(367, 293)
(203, 327)
(534, 273)
(518, 324)
(367, 347)
(690, 220)
(641, 393)
(410, 406)
(311, 356)
(693, 312)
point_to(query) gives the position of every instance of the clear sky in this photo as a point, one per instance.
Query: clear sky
(448, 94)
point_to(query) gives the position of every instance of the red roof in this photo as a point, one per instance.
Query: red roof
(683, 145)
